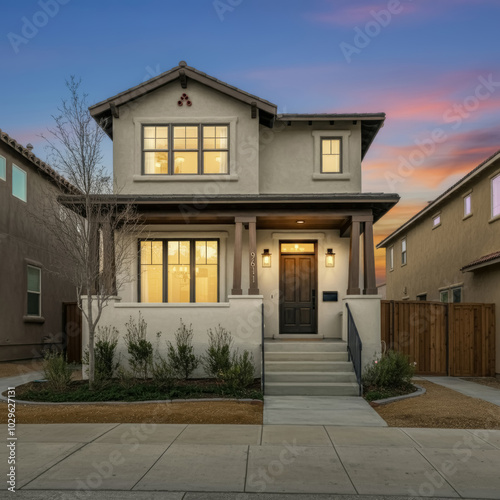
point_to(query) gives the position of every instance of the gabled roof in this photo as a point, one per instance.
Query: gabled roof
(448, 193)
(104, 109)
(39, 165)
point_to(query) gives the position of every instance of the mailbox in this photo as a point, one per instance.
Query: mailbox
(330, 296)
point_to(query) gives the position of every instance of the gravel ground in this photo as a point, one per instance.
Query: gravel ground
(14, 368)
(441, 408)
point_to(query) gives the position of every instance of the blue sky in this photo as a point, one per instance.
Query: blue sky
(431, 65)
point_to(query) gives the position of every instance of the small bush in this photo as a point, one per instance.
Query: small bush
(392, 371)
(241, 372)
(139, 348)
(125, 379)
(56, 370)
(181, 356)
(105, 344)
(217, 358)
(162, 371)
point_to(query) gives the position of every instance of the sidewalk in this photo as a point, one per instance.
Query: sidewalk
(240, 459)
(471, 389)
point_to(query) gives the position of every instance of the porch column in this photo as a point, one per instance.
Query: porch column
(109, 264)
(353, 283)
(236, 290)
(252, 248)
(370, 286)
(93, 264)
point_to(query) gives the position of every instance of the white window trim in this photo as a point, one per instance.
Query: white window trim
(391, 258)
(465, 196)
(344, 135)
(138, 176)
(26, 183)
(492, 178)
(5, 177)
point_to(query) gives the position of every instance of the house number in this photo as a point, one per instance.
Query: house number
(252, 265)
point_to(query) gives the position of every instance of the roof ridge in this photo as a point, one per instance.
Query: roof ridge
(40, 164)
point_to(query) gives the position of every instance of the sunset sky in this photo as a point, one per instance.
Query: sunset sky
(433, 66)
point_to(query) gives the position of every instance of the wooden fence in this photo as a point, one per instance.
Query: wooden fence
(443, 339)
(72, 322)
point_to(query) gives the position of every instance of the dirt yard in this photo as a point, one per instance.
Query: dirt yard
(15, 368)
(441, 408)
(488, 381)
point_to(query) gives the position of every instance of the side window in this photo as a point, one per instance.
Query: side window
(34, 289)
(404, 258)
(467, 205)
(495, 196)
(331, 155)
(19, 183)
(3, 168)
(444, 296)
(391, 258)
(457, 294)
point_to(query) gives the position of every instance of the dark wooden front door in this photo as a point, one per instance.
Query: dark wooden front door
(298, 294)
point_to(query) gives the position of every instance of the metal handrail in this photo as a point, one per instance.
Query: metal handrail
(354, 347)
(263, 374)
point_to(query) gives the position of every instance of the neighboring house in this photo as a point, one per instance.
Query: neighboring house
(450, 250)
(252, 216)
(382, 290)
(31, 297)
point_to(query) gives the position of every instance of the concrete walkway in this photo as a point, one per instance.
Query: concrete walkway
(303, 460)
(320, 410)
(6, 382)
(471, 389)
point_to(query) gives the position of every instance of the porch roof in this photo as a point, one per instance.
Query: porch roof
(318, 211)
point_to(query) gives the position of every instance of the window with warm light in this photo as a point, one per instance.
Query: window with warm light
(179, 271)
(297, 247)
(186, 149)
(331, 151)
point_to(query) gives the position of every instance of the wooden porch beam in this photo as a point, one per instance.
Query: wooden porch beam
(238, 233)
(353, 283)
(252, 249)
(370, 286)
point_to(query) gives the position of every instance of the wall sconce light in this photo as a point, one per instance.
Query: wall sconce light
(329, 258)
(266, 258)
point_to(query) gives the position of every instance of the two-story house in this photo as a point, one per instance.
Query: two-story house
(31, 295)
(255, 220)
(450, 250)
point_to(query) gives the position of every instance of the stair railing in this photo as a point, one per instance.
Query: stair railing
(354, 347)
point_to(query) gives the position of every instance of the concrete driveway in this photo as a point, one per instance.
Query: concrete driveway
(59, 460)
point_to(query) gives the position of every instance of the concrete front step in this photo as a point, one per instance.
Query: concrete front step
(306, 356)
(311, 389)
(315, 376)
(307, 366)
(305, 346)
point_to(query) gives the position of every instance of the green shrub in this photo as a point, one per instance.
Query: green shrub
(217, 358)
(162, 371)
(181, 356)
(56, 370)
(139, 348)
(392, 371)
(241, 372)
(105, 344)
(125, 379)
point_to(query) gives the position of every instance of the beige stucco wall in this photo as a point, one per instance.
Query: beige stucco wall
(329, 279)
(289, 159)
(435, 256)
(160, 107)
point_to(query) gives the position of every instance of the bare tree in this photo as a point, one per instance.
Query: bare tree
(90, 226)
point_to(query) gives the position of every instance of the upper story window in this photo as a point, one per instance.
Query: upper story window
(391, 258)
(436, 221)
(331, 155)
(186, 149)
(19, 183)
(467, 205)
(403, 252)
(3, 168)
(495, 196)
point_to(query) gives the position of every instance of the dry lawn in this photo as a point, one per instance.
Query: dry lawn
(441, 408)
(15, 368)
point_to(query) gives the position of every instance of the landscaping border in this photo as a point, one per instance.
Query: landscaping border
(419, 392)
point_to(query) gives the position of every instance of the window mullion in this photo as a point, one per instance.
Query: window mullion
(192, 270)
(165, 270)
